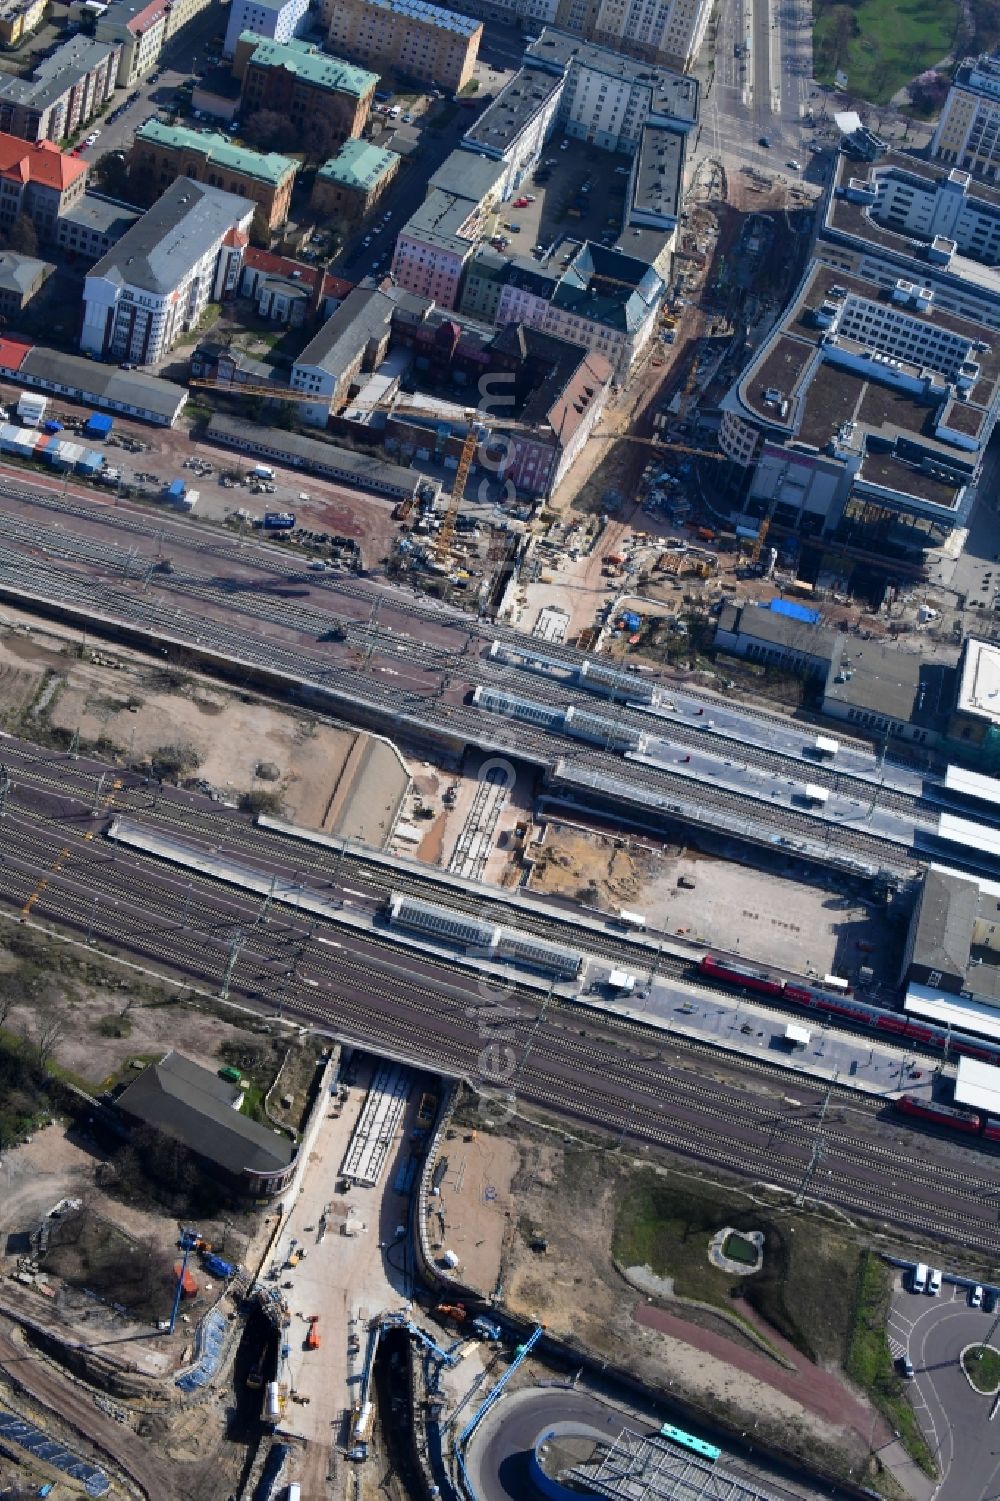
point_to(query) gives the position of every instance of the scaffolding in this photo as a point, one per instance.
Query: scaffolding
(645, 1467)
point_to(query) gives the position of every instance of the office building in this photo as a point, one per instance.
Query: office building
(163, 153)
(968, 131)
(303, 84)
(155, 283)
(276, 20)
(866, 411)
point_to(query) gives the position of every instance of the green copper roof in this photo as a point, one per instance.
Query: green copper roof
(314, 67)
(358, 164)
(264, 166)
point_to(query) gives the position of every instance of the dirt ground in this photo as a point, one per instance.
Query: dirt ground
(804, 926)
(568, 1192)
(592, 868)
(473, 1214)
(327, 507)
(119, 701)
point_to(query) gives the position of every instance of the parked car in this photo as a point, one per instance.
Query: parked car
(904, 1365)
(975, 1296)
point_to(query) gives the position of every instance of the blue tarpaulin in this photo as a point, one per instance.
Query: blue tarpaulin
(793, 611)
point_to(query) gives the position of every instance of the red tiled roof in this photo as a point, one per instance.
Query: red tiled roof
(14, 352)
(280, 265)
(235, 237)
(284, 265)
(40, 161)
(145, 18)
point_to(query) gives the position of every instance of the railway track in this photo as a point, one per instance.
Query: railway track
(306, 619)
(159, 622)
(601, 1070)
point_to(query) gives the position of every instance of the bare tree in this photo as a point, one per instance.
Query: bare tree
(50, 1028)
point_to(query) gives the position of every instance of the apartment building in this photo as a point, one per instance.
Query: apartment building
(350, 184)
(154, 285)
(298, 81)
(866, 413)
(587, 91)
(669, 31)
(18, 19)
(64, 93)
(435, 245)
(166, 152)
(968, 132)
(408, 37)
(93, 224)
(660, 31)
(139, 28)
(277, 20)
(39, 181)
(605, 301)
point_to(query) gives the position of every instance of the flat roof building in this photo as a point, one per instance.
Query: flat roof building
(412, 38)
(65, 91)
(279, 20)
(967, 134)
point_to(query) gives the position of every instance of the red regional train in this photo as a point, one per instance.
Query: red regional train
(856, 1013)
(952, 1117)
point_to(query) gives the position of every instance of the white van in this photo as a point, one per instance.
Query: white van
(918, 1282)
(293, 1491)
(934, 1282)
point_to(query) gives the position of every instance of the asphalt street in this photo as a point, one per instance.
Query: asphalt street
(182, 58)
(499, 1453)
(933, 1332)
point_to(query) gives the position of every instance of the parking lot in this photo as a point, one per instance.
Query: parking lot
(932, 1332)
(578, 192)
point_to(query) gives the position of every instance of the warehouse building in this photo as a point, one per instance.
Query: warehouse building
(180, 1099)
(314, 456)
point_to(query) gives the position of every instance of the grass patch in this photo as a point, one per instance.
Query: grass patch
(882, 44)
(804, 1289)
(870, 1363)
(114, 1025)
(982, 1366)
(738, 1248)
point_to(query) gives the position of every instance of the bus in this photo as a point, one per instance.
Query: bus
(688, 1441)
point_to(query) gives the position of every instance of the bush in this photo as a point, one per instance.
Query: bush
(175, 761)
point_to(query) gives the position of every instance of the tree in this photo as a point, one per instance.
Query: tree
(112, 175)
(22, 236)
(269, 130)
(320, 138)
(50, 1027)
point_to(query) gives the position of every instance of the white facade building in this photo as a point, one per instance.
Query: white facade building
(279, 20)
(155, 283)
